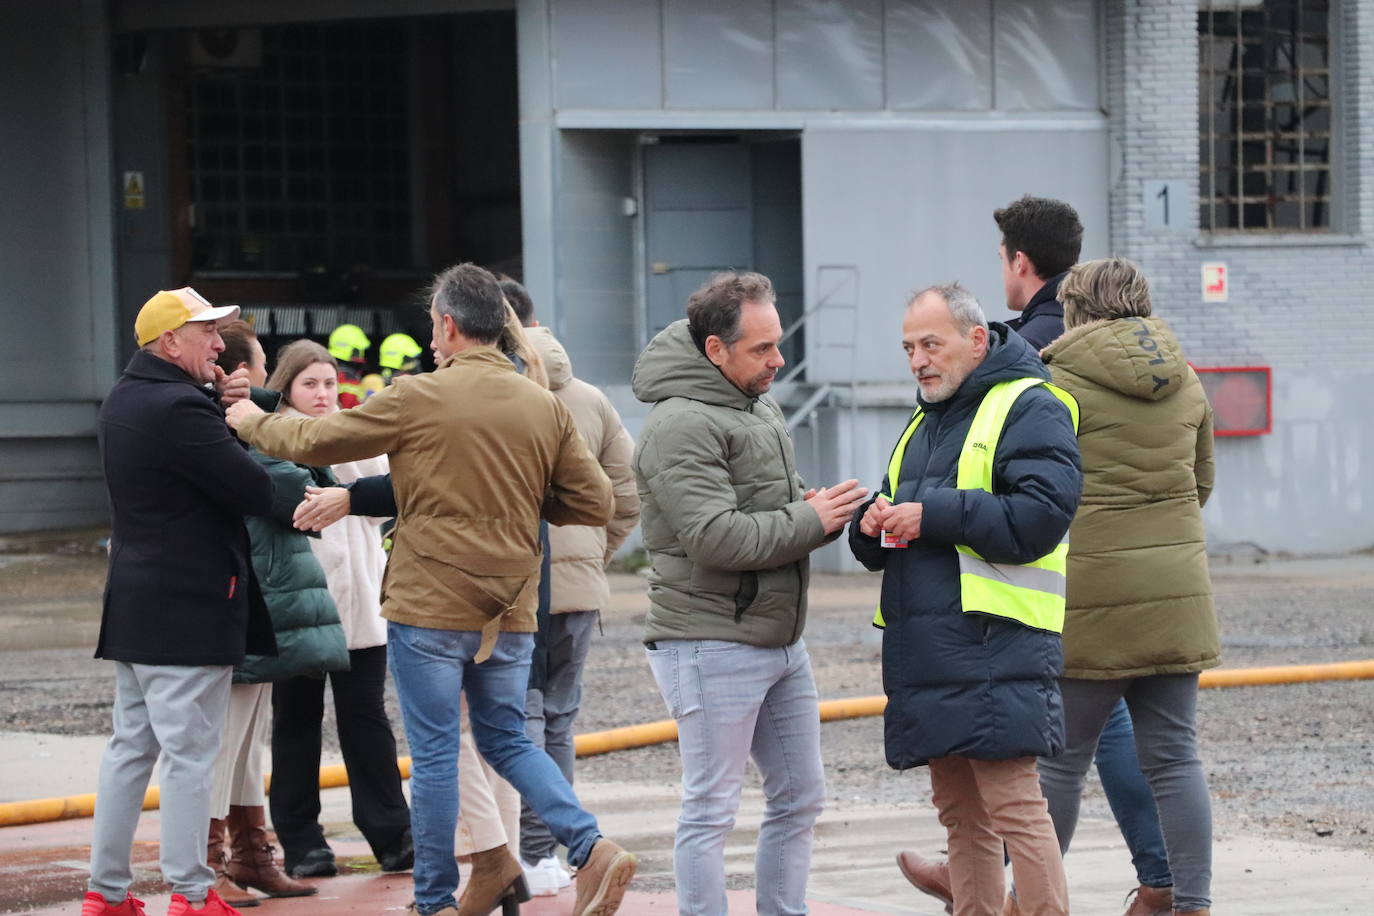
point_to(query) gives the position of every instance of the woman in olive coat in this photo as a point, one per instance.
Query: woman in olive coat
(1140, 622)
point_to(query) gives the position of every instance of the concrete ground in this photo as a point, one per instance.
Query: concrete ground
(1275, 853)
(43, 866)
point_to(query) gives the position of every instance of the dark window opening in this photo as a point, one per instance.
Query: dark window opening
(1265, 115)
(303, 162)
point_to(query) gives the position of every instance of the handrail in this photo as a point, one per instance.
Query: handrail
(810, 404)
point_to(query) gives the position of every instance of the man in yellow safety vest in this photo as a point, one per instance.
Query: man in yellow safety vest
(970, 531)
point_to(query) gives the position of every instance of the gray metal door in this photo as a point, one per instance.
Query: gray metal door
(698, 219)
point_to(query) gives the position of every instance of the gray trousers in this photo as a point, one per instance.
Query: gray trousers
(178, 711)
(1164, 710)
(550, 714)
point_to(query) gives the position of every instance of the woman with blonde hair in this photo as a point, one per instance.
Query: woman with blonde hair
(351, 555)
(1140, 621)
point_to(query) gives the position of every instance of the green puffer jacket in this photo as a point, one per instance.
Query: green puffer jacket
(1139, 593)
(310, 638)
(721, 505)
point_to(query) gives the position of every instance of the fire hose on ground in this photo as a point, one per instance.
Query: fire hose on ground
(334, 776)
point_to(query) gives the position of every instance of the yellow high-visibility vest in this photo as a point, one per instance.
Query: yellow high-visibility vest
(1028, 593)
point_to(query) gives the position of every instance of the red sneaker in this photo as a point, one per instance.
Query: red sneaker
(214, 906)
(95, 905)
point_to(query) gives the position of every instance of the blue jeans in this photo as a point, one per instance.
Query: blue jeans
(732, 701)
(1132, 803)
(431, 668)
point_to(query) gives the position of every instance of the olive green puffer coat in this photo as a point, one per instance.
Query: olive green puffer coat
(721, 505)
(1139, 593)
(310, 638)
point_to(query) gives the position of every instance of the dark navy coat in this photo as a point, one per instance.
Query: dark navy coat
(1042, 320)
(975, 685)
(181, 588)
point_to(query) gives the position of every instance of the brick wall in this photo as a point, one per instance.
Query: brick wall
(1295, 303)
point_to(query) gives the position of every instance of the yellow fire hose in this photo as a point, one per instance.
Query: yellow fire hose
(631, 736)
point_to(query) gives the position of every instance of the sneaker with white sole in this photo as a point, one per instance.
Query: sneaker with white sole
(545, 877)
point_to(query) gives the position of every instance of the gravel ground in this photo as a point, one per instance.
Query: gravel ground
(1290, 761)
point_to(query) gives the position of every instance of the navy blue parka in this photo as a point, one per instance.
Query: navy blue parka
(975, 685)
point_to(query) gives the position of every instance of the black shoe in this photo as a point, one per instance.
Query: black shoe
(401, 858)
(316, 863)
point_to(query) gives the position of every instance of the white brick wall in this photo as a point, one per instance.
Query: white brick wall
(1295, 307)
(1307, 310)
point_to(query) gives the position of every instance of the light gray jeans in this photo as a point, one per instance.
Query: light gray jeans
(550, 714)
(732, 701)
(179, 711)
(1164, 710)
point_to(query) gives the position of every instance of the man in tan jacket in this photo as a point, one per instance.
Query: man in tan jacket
(478, 455)
(578, 592)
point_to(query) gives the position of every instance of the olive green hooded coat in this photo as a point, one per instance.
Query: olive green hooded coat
(1139, 593)
(721, 504)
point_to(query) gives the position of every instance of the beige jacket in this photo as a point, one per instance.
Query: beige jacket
(350, 552)
(580, 552)
(478, 454)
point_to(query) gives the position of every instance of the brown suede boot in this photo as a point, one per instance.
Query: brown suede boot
(252, 863)
(1151, 901)
(218, 859)
(496, 879)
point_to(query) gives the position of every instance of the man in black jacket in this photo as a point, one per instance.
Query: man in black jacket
(182, 606)
(1041, 239)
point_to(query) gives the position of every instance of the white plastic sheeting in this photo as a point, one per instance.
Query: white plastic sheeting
(828, 55)
(1046, 55)
(939, 55)
(718, 53)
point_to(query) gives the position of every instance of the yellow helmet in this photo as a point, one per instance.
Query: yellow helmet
(348, 342)
(372, 383)
(397, 350)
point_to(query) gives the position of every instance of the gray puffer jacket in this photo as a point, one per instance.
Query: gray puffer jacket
(721, 505)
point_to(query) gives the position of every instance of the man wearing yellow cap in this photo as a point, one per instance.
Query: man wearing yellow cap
(182, 605)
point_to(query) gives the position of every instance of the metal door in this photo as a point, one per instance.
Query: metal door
(698, 219)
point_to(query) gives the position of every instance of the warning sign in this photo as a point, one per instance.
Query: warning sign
(133, 191)
(1216, 283)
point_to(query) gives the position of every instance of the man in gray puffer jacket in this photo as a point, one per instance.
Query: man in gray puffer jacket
(729, 528)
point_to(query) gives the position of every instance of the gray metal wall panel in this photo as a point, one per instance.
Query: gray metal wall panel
(56, 258)
(718, 53)
(830, 54)
(52, 276)
(607, 57)
(910, 208)
(596, 260)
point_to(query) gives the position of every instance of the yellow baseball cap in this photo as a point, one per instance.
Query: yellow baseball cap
(170, 309)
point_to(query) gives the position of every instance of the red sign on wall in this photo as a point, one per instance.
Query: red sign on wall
(1242, 399)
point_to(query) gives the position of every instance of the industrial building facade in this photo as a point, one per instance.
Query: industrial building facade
(316, 161)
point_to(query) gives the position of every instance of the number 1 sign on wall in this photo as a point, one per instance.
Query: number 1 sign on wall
(1165, 205)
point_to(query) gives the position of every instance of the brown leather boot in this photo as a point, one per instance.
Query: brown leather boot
(252, 863)
(1205, 911)
(496, 879)
(1151, 901)
(218, 859)
(602, 879)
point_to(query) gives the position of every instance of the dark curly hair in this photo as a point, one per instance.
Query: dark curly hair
(1047, 231)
